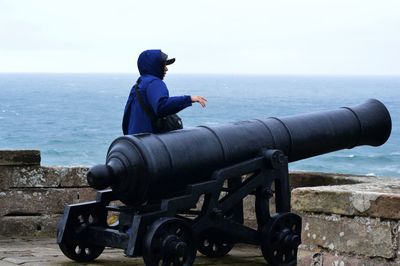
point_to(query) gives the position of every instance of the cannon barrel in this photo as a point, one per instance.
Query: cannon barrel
(145, 167)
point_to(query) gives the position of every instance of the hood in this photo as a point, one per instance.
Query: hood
(150, 63)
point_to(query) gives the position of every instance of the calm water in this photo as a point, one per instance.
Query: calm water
(72, 118)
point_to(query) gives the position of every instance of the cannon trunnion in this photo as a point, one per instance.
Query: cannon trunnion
(183, 191)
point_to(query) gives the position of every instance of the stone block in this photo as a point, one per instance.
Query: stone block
(42, 201)
(19, 157)
(33, 226)
(41, 176)
(307, 258)
(334, 259)
(361, 236)
(249, 212)
(320, 258)
(369, 199)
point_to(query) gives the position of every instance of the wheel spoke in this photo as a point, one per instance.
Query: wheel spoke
(213, 245)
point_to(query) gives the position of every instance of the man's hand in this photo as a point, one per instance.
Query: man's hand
(199, 99)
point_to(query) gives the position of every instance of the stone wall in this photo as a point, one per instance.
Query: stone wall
(347, 219)
(33, 197)
(354, 224)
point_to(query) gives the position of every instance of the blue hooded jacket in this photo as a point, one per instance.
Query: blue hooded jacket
(155, 94)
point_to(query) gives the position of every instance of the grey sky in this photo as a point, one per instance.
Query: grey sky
(207, 36)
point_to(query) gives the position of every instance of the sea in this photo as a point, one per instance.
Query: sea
(73, 118)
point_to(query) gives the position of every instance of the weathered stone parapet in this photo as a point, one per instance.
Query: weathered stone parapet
(42, 176)
(36, 226)
(369, 199)
(318, 258)
(42, 201)
(349, 224)
(359, 235)
(19, 157)
(32, 197)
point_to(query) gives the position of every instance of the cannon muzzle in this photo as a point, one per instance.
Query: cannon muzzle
(146, 167)
(100, 177)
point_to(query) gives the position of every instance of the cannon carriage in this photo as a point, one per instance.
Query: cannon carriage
(183, 191)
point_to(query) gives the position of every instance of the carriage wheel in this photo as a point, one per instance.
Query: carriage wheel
(74, 246)
(169, 241)
(281, 238)
(81, 252)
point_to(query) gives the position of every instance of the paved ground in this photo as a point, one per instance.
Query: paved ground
(39, 251)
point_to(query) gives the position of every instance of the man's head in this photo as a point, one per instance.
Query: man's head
(154, 62)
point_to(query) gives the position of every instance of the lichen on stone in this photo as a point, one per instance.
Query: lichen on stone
(361, 201)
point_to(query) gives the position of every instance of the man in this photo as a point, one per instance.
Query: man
(152, 65)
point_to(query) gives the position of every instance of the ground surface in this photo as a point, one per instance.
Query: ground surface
(44, 251)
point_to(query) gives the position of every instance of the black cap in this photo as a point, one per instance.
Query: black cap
(168, 61)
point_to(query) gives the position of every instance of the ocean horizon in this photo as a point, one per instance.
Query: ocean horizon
(73, 118)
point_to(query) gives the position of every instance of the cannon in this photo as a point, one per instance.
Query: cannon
(181, 192)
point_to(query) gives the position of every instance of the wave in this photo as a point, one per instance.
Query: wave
(364, 156)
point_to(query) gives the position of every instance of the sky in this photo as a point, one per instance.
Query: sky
(307, 37)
